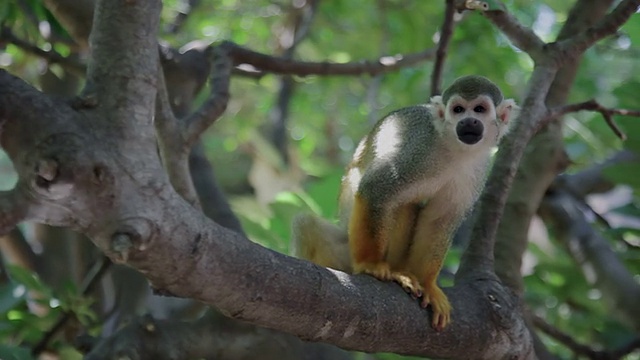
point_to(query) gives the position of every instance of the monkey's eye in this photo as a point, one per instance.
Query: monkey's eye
(458, 109)
(479, 109)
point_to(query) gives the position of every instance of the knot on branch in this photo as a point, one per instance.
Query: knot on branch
(132, 235)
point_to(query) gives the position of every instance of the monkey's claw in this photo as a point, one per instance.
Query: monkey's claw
(409, 283)
(434, 296)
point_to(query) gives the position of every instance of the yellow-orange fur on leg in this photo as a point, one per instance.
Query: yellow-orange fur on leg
(434, 225)
(367, 245)
(435, 297)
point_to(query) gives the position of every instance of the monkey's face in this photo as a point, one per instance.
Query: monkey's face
(473, 121)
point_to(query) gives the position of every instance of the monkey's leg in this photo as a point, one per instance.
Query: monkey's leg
(403, 221)
(430, 245)
(367, 240)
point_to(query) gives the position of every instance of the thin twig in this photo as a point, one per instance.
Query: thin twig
(581, 349)
(51, 56)
(282, 65)
(592, 105)
(88, 284)
(186, 9)
(445, 37)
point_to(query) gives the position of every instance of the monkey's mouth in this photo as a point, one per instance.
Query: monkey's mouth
(469, 131)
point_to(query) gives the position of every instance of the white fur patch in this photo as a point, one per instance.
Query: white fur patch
(387, 140)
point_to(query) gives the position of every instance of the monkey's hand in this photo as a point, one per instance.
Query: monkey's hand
(380, 270)
(434, 296)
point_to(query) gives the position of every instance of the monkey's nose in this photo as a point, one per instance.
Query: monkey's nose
(469, 130)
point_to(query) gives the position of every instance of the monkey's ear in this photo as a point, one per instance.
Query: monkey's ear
(438, 107)
(507, 111)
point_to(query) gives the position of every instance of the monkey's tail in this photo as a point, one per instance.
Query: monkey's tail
(321, 242)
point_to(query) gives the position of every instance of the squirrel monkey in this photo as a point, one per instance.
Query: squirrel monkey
(410, 184)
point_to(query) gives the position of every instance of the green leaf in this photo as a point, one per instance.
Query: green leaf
(28, 279)
(8, 352)
(624, 174)
(10, 296)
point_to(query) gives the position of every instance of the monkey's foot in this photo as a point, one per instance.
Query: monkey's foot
(380, 271)
(409, 283)
(434, 296)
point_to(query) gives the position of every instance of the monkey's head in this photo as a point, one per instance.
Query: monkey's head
(473, 111)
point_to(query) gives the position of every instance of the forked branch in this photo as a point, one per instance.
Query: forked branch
(605, 27)
(592, 105)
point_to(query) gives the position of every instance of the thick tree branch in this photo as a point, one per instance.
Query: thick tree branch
(478, 259)
(591, 105)
(605, 27)
(211, 336)
(445, 37)
(288, 66)
(214, 202)
(184, 253)
(132, 67)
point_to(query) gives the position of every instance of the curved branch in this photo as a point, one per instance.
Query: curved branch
(592, 105)
(215, 106)
(254, 284)
(288, 66)
(585, 350)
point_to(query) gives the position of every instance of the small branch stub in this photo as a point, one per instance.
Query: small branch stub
(47, 169)
(121, 243)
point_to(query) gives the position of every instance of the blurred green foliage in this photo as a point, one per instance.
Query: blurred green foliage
(328, 115)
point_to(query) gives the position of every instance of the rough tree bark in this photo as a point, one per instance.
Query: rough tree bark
(96, 168)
